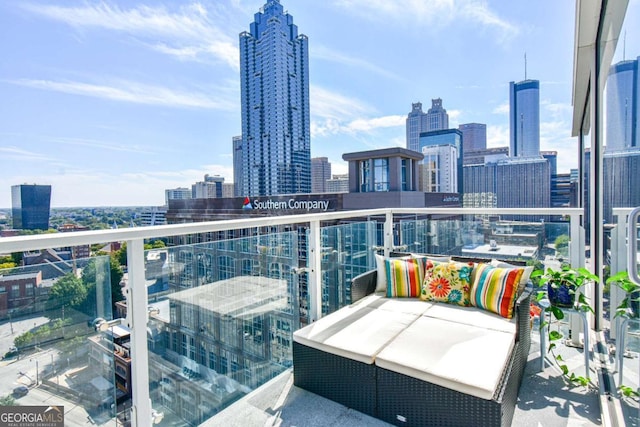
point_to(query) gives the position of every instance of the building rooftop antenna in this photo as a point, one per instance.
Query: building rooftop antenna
(525, 65)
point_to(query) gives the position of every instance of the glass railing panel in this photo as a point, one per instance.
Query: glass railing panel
(50, 349)
(347, 251)
(221, 320)
(486, 237)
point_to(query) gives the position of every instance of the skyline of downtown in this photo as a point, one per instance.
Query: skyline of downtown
(113, 102)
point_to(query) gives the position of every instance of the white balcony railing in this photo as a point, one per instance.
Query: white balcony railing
(137, 316)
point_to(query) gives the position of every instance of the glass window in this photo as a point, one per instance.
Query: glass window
(404, 184)
(365, 176)
(381, 173)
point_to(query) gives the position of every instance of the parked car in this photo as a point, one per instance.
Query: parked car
(21, 390)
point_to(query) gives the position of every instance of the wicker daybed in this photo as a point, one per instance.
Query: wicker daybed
(416, 363)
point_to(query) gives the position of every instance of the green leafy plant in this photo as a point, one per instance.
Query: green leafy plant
(570, 279)
(625, 309)
(631, 290)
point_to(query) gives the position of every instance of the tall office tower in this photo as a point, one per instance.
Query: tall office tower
(416, 124)
(452, 137)
(437, 117)
(320, 173)
(237, 166)
(524, 118)
(338, 184)
(210, 188)
(474, 137)
(623, 111)
(274, 86)
(437, 172)
(176, 194)
(228, 190)
(517, 183)
(30, 206)
(621, 181)
(156, 215)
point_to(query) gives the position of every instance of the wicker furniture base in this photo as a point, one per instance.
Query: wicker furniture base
(346, 381)
(407, 401)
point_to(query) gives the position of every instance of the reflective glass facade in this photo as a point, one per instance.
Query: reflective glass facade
(524, 118)
(274, 76)
(31, 206)
(623, 86)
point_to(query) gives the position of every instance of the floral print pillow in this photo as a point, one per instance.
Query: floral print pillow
(447, 282)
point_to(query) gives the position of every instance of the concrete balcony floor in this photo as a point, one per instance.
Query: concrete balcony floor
(544, 401)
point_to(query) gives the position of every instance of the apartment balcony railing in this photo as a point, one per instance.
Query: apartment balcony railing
(215, 318)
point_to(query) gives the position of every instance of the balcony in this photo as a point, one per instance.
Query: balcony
(224, 335)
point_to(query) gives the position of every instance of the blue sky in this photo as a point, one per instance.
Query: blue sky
(113, 101)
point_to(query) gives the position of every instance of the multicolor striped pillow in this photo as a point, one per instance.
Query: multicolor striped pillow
(495, 289)
(404, 277)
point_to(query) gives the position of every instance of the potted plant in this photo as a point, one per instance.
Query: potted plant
(558, 288)
(627, 309)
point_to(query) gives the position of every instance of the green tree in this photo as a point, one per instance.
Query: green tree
(116, 278)
(7, 400)
(562, 245)
(68, 290)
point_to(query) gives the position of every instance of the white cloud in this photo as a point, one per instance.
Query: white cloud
(93, 143)
(19, 154)
(322, 52)
(497, 136)
(502, 109)
(134, 92)
(333, 113)
(367, 125)
(326, 104)
(454, 118)
(434, 13)
(188, 32)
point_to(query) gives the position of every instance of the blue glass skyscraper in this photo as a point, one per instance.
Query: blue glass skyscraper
(524, 118)
(31, 206)
(274, 83)
(623, 114)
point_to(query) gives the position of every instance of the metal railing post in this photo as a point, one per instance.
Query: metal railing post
(137, 322)
(315, 273)
(632, 261)
(388, 233)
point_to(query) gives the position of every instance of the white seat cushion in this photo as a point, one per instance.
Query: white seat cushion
(355, 333)
(402, 305)
(473, 316)
(461, 357)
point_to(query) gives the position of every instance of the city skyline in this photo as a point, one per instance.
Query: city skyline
(113, 102)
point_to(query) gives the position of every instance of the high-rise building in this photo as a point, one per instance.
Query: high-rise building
(237, 166)
(416, 124)
(623, 112)
(228, 189)
(517, 183)
(437, 172)
(621, 181)
(320, 173)
(179, 193)
(210, 188)
(437, 117)
(451, 137)
(524, 118)
(274, 86)
(156, 215)
(490, 155)
(474, 137)
(338, 184)
(31, 206)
